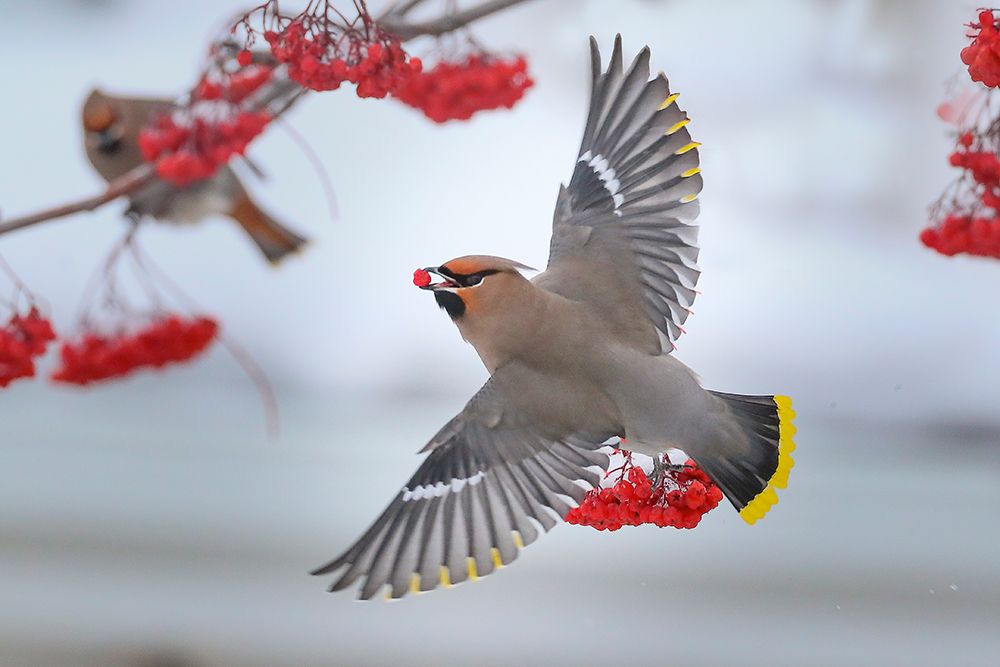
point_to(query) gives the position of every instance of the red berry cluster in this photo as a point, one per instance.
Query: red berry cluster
(194, 148)
(983, 55)
(681, 497)
(22, 340)
(970, 226)
(232, 87)
(169, 339)
(323, 59)
(455, 91)
(964, 234)
(982, 165)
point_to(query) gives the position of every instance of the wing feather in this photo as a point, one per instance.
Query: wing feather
(475, 499)
(626, 216)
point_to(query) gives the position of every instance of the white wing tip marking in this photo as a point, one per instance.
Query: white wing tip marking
(606, 174)
(440, 488)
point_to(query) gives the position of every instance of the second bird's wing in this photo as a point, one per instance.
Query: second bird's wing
(623, 236)
(487, 485)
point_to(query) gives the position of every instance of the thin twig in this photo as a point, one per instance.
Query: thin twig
(318, 167)
(272, 412)
(400, 10)
(452, 21)
(119, 187)
(268, 397)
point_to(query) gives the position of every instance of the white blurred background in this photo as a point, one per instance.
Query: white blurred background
(152, 522)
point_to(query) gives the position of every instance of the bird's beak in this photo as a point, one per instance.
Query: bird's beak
(445, 283)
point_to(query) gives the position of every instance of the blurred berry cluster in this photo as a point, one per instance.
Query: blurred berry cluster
(166, 340)
(23, 339)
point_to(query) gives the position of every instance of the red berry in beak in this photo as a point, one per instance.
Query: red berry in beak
(421, 278)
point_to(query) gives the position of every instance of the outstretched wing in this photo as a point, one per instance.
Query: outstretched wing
(623, 236)
(487, 486)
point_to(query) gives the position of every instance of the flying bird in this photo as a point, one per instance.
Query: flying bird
(111, 138)
(578, 355)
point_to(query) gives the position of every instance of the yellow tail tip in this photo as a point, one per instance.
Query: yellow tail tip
(763, 501)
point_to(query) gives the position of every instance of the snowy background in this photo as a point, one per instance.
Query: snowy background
(151, 522)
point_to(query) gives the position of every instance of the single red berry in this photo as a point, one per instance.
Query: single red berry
(421, 278)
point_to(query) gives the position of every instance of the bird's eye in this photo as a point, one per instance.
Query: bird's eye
(474, 280)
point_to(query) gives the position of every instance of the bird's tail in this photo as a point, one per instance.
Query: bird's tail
(274, 239)
(749, 480)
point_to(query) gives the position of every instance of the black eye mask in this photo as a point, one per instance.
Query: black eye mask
(109, 141)
(466, 280)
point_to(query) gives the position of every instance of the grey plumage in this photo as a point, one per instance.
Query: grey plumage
(648, 226)
(578, 355)
(487, 477)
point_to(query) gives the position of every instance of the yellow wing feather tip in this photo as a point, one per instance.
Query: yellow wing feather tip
(670, 100)
(766, 499)
(688, 198)
(677, 126)
(687, 147)
(518, 542)
(470, 564)
(445, 576)
(691, 172)
(415, 584)
(497, 560)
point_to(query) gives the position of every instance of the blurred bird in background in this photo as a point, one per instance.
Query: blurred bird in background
(577, 356)
(111, 138)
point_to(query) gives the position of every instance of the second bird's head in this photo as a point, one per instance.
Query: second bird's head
(103, 119)
(474, 284)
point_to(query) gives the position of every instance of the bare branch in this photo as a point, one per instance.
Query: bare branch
(400, 10)
(119, 187)
(395, 23)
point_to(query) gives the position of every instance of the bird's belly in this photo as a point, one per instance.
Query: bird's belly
(191, 209)
(182, 206)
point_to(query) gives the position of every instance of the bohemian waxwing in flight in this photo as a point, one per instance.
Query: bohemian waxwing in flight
(111, 136)
(577, 356)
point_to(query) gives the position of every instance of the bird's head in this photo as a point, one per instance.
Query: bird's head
(103, 123)
(474, 284)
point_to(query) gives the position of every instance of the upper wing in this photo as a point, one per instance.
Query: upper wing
(473, 502)
(623, 236)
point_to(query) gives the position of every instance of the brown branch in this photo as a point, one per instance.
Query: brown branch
(400, 10)
(395, 22)
(119, 187)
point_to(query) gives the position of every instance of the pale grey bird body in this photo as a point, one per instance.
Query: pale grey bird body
(577, 356)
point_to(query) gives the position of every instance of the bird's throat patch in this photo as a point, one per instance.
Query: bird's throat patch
(451, 302)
